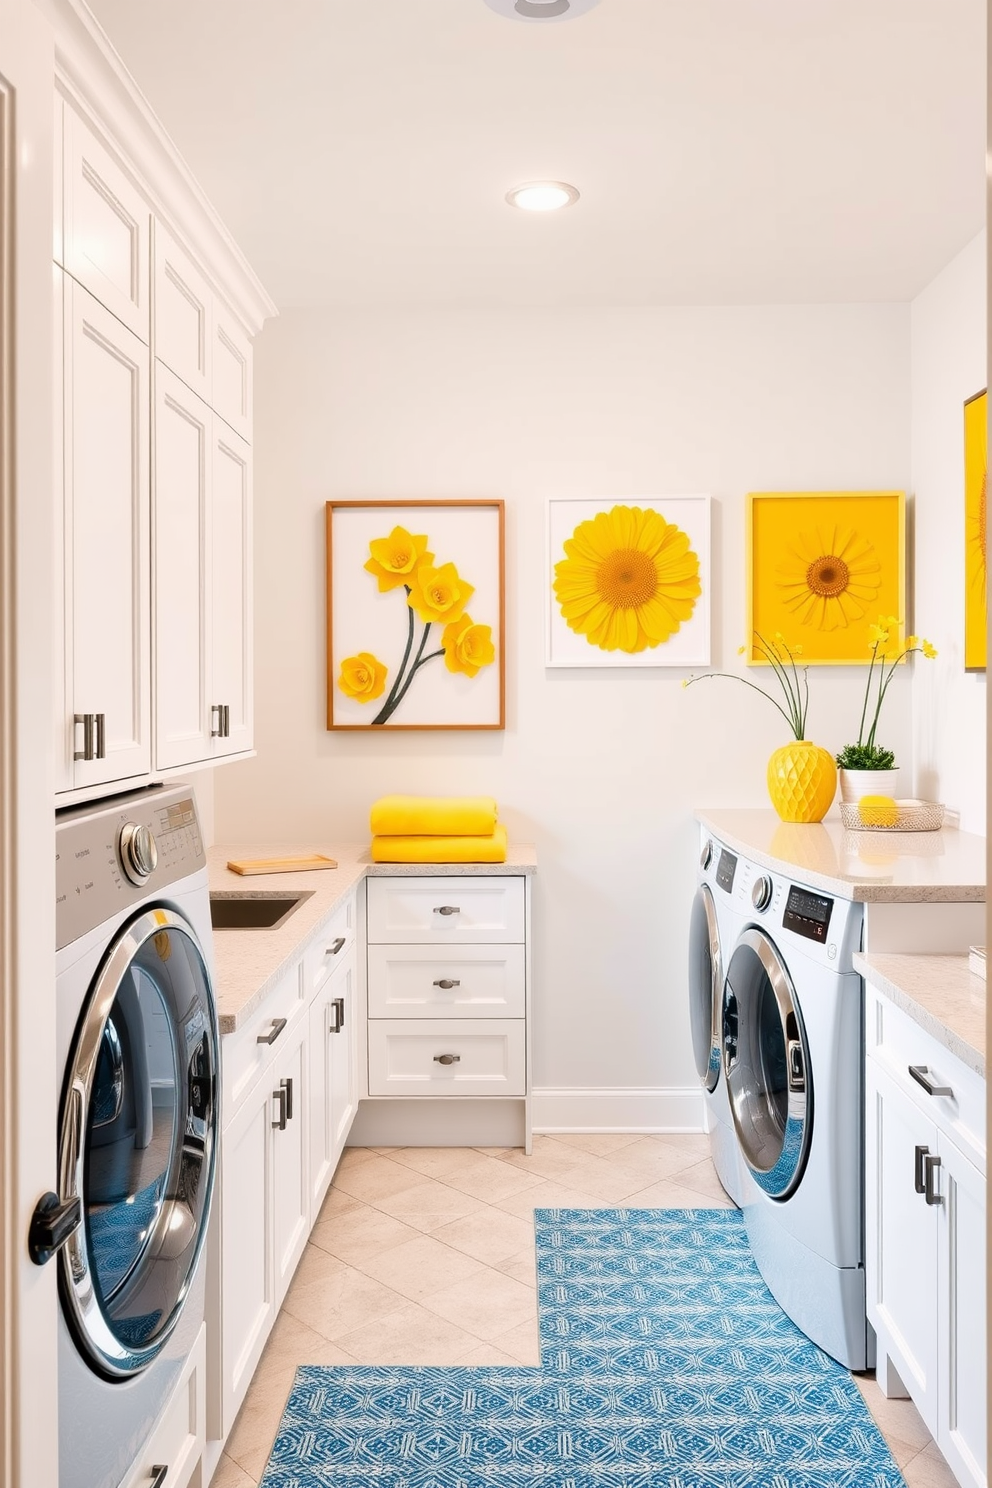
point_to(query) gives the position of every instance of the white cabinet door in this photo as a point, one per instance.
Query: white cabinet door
(323, 1022)
(182, 442)
(231, 372)
(62, 692)
(901, 1238)
(248, 1305)
(106, 226)
(181, 314)
(105, 456)
(344, 1057)
(290, 1215)
(961, 1315)
(230, 699)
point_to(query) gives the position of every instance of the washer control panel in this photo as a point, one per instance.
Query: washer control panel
(807, 913)
(110, 855)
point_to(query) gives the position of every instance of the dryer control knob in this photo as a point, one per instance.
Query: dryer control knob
(139, 855)
(706, 856)
(761, 894)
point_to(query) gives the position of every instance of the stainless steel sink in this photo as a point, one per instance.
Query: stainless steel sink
(253, 911)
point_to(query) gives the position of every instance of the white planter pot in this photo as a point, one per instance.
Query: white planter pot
(857, 783)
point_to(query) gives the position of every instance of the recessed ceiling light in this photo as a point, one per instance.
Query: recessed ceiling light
(542, 196)
(541, 10)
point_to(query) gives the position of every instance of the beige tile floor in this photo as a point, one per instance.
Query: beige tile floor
(426, 1256)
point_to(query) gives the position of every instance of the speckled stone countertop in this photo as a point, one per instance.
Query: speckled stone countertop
(939, 993)
(871, 867)
(248, 963)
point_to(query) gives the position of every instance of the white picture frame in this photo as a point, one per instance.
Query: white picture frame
(689, 646)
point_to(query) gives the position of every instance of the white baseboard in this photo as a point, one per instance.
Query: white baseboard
(624, 1110)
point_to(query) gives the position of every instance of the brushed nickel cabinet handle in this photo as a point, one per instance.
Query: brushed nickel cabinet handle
(287, 1085)
(87, 721)
(225, 719)
(918, 1183)
(931, 1164)
(447, 909)
(332, 950)
(336, 1007)
(447, 1059)
(218, 732)
(339, 1004)
(447, 983)
(100, 720)
(159, 1473)
(278, 1024)
(280, 1096)
(921, 1074)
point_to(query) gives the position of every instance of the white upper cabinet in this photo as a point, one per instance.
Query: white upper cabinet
(181, 315)
(231, 594)
(106, 545)
(106, 226)
(231, 357)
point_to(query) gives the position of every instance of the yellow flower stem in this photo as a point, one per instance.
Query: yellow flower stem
(883, 687)
(864, 710)
(732, 677)
(797, 713)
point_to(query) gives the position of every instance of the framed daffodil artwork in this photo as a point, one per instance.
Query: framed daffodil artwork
(821, 566)
(975, 509)
(415, 615)
(629, 582)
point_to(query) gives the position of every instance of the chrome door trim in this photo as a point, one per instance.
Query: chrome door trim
(709, 1079)
(782, 1178)
(105, 1350)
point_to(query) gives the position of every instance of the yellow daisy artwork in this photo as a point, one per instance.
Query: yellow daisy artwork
(627, 581)
(975, 518)
(820, 564)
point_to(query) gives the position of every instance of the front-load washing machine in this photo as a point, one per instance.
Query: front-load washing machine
(712, 931)
(138, 1060)
(793, 1060)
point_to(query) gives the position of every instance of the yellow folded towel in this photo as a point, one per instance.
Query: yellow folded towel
(433, 816)
(490, 849)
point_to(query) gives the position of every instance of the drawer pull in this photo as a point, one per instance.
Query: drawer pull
(930, 1164)
(280, 1095)
(336, 1008)
(447, 909)
(278, 1024)
(339, 1009)
(159, 1474)
(447, 983)
(918, 1183)
(447, 1059)
(922, 1076)
(332, 950)
(287, 1085)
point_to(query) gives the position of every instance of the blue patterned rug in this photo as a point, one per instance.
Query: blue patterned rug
(665, 1363)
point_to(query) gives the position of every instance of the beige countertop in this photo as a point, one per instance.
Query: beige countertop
(871, 867)
(248, 963)
(938, 992)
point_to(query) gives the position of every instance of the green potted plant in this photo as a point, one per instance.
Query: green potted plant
(867, 768)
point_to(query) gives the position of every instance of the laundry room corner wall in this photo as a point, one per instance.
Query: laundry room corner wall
(600, 768)
(948, 352)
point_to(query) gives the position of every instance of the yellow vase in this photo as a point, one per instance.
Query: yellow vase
(802, 779)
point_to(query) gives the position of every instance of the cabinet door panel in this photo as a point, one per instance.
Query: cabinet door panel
(248, 1307)
(961, 1316)
(344, 1058)
(290, 1199)
(231, 590)
(231, 372)
(62, 691)
(106, 227)
(181, 314)
(901, 1249)
(106, 481)
(180, 506)
(323, 1022)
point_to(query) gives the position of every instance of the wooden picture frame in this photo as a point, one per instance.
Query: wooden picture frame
(975, 544)
(680, 580)
(822, 566)
(415, 614)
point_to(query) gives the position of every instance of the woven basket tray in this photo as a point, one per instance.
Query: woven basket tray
(914, 816)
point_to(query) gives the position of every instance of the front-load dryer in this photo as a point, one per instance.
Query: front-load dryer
(137, 1065)
(793, 1060)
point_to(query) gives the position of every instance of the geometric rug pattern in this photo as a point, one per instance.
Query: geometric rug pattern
(665, 1363)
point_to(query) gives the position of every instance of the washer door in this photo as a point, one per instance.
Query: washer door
(705, 987)
(137, 1142)
(766, 1062)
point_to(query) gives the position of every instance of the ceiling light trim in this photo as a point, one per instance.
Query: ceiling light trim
(541, 12)
(544, 196)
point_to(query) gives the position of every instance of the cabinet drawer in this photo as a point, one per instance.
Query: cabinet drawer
(896, 1041)
(458, 982)
(330, 947)
(488, 1058)
(178, 1439)
(445, 910)
(242, 1056)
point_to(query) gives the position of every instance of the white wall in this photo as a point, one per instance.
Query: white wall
(601, 769)
(948, 337)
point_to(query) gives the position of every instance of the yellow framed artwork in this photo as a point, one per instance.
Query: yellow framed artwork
(975, 584)
(821, 567)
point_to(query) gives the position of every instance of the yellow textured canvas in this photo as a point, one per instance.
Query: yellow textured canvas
(975, 478)
(821, 567)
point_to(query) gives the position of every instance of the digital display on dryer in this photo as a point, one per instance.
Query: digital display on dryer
(807, 914)
(726, 869)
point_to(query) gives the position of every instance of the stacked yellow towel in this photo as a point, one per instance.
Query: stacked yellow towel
(437, 829)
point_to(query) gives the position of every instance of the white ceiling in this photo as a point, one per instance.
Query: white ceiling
(727, 151)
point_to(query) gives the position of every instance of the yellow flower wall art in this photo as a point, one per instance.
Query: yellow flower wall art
(820, 564)
(414, 614)
(629, 582)
(975, 545)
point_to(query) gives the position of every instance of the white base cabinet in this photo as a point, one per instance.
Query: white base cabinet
(925, 1231)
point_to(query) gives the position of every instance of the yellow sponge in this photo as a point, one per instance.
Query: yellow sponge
(878, 811)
